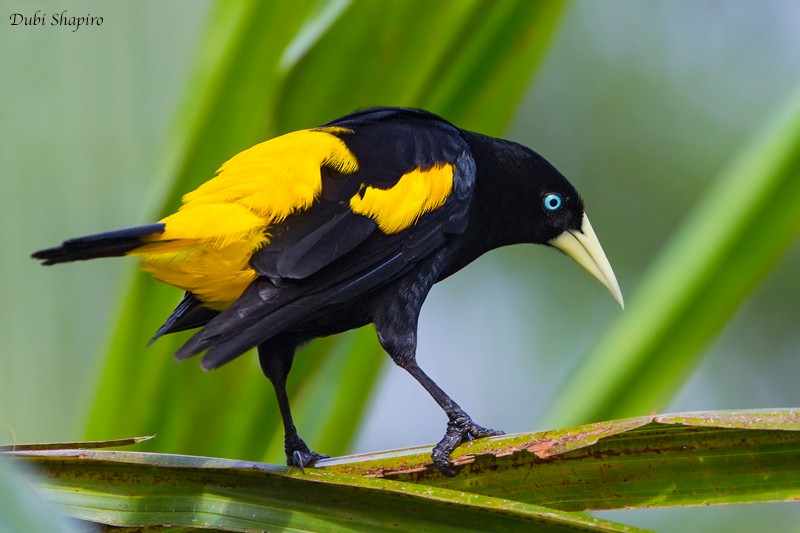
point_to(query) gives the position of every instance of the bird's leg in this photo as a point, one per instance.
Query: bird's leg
(395, 317)
(276, 361)
(460, 427)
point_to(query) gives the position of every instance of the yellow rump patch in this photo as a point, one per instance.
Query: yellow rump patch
(207, 245)
(218, 278)
(214, 225)
(400, 206)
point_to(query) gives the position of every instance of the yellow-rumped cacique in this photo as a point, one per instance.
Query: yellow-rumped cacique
(327, 229)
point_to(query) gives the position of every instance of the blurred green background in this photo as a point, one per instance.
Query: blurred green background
(641, 105)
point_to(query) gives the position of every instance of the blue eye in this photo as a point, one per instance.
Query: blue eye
(553, 201)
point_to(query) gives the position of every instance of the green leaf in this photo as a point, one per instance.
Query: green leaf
(657, 461)
(85, 445)
(469, 60)
(141, 489)
(265, 68)
(527, 480)
(731, 240)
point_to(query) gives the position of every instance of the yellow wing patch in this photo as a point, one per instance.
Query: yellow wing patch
(279, 176)
(206, 246)
(400, 206)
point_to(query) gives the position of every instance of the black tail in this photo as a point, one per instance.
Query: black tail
(108, 244)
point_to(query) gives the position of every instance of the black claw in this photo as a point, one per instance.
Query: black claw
(299, 455)
(460, 428)
(297, 460)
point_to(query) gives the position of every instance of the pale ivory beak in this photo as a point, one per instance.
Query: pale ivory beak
(585, 249)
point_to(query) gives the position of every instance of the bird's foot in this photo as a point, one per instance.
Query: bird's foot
(303, 459)
(460, 428)
(298, 454)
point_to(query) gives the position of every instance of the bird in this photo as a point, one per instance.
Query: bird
(331, 228)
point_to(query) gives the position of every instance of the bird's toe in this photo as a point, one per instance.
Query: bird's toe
(460, 428)
(304, 458)
(441, 458)
(298, 453)
(477, 432)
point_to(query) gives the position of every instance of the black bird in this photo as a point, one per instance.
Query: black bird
(328, 229)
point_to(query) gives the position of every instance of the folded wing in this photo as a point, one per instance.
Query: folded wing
(364, 229)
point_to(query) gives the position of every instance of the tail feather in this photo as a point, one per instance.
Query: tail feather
(189, 314)
(107, 244)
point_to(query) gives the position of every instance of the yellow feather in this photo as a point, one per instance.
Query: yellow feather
(214, 225)
(207, 245)
(279, 176)
(416, 193)
(217, 278)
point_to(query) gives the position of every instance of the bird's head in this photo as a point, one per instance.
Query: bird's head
(576, 238)
(533, 202)
(561, 217)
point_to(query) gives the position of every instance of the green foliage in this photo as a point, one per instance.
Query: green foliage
(519, 481)
(716, 457)
(240, 496)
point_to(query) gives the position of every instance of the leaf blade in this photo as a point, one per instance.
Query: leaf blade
(142, 489)
(658, 461)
